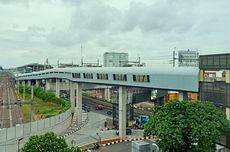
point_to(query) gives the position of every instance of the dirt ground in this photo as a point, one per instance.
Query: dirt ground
(146, 104)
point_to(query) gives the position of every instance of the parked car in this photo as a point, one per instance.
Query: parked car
(109, 112)
(86, 107)
(99, 107)
(128, 131)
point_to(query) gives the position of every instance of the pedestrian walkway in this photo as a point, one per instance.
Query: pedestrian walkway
(74, 125)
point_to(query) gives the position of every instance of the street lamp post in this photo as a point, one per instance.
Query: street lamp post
(19, 143)
(99, 137)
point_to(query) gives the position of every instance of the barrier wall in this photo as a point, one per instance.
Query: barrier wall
(9, 136)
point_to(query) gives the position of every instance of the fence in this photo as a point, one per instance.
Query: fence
(9, 136)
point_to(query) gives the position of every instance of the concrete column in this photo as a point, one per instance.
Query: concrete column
(72, 96)
(122, 111)
(57, 89)
(107, 94)
(47, 85)
(227, 76)
(37, 83)
(201, 75)
(78, 105)
(29, 83)
(228, 113)
(183, 96)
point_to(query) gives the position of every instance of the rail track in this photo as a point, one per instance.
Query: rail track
(10, 110)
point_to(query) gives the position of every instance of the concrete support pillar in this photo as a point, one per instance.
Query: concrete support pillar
(227, 76)
(37, 83)
(57, 88)
(122, 111)
(107, 94)
(201, 75)
(228, 113)
(76, 100)
(47, 85)
(72, 96)
(29, 83)
(183, 96)
(79, 102)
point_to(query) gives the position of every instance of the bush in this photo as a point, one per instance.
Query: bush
(48, 142)
(46, 96)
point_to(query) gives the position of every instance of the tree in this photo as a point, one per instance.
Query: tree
(48, 142)
(182, 126)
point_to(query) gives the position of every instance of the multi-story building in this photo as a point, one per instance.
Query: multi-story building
(215, 84)
(115, 59)
(188, 58)
(33, 67)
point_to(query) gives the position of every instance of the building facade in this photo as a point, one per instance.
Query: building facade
(33, 67)
(214, 84)
(115, 59)
(188, 58)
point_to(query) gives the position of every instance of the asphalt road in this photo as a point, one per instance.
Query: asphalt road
(103, 112)
(95, 131)
(121, 147)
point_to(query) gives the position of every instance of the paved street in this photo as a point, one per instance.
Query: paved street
(121, 147)
(87, 134)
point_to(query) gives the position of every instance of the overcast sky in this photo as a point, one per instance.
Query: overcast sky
(33, 30)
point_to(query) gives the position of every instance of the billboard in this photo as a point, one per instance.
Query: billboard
(188, 58)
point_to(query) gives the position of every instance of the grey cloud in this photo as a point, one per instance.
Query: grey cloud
(88, 22)
(95, 17)
(162, 16)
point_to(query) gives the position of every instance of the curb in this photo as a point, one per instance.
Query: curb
(114, 142)
(126, 140)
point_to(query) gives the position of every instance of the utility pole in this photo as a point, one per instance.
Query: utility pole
(24, 91)
(31, 105)
(98, 62)
(81, 57)
(139, 60)
(174, 56)
(58, 63)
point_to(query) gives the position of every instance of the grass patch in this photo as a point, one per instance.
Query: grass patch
(46, 109)
(26, 112)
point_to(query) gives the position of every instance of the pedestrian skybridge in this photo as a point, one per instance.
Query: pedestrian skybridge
(176, 79)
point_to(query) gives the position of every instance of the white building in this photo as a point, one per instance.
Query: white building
(115, 59)
(188, 58)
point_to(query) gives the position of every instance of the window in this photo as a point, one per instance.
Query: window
(88, 75)
(102, 76)
(61, 72)
(120, 77)
(76, 75)
(141, 78)
(67, 72)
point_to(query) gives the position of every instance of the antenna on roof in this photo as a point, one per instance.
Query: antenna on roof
(81, 57)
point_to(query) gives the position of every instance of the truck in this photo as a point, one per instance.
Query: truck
(138, 122)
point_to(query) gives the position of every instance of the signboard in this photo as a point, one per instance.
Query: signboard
(187, 58)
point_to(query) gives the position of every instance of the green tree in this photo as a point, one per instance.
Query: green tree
(48, 142)
(182, 126)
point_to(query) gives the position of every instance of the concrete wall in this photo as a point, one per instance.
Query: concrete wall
(9, 136)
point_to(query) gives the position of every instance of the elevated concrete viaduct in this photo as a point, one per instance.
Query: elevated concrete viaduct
(177, 79)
